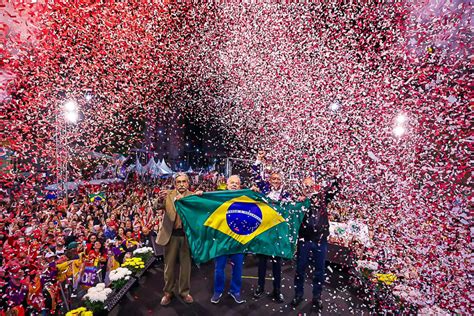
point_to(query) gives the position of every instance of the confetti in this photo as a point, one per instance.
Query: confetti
(319, 86)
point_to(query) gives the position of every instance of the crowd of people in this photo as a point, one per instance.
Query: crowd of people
(47, 241)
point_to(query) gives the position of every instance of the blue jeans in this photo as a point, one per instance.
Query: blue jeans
(276, 270)
(237, 261)
(310, 253)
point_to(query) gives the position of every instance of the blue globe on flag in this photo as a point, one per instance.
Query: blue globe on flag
(243, 218)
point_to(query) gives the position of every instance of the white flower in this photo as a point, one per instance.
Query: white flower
(409, 294)
(143, 250)
(100, 286)
(119, 274)
(371, 265)
(98, 293)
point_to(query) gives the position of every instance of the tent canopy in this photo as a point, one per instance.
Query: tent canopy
(165, 167)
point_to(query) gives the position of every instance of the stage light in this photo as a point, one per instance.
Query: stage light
(334, 106)
(71, 117)
(399, 131)
(70, 106)
(401, 118)
(88, 97)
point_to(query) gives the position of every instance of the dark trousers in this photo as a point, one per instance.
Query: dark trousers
(276, 270)
(310, 253)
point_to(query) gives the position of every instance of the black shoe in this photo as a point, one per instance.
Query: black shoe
(258, 292)
(317, 303)
(296, 301)
(278, 297)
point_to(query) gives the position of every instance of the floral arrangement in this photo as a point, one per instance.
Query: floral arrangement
(144, 252)
(369, 265)
(134, 264)
(119, 277)
(386, 278)
(367, 268)
(96, 296)
(81, 311)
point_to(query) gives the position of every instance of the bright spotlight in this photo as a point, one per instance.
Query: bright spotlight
(70, 106)
(334, 106)
(71, 117)
(399, 131)
(402, 118)
(88, 97)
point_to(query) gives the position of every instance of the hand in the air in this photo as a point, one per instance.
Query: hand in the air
(254, 188)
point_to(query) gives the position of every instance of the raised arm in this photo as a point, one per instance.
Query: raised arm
(262, 185)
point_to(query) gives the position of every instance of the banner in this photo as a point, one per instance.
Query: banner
(89, 276)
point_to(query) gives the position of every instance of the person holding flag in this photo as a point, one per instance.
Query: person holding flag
(273, 189)
(237, 261)
(171, 236)
(224, 223)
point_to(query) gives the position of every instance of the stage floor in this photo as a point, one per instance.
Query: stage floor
(338, 297)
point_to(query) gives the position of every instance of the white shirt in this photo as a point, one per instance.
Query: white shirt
(274, 195)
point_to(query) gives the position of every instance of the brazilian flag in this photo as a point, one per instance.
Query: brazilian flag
(97, 197)
(228, 222)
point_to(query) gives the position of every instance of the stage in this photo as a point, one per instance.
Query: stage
(144, 299)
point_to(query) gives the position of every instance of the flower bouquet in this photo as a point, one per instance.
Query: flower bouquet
(386, 278)
(144, 252)
(81, 311)
(119, 277)
(96, 296)
(134, 264)
(366, 268)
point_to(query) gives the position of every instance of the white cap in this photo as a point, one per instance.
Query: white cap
(49, 255)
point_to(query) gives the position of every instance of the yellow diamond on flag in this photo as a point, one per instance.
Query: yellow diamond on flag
(243, 218)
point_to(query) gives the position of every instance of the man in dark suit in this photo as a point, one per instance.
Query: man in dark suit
(312, 242)
(274, 190)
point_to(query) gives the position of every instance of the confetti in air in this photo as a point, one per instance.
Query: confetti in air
(378, 93)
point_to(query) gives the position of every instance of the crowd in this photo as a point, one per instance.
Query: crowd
(47, 241)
